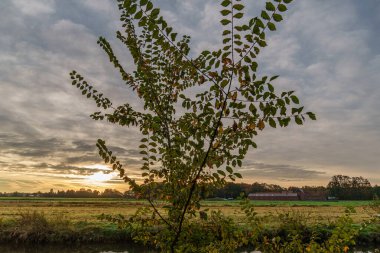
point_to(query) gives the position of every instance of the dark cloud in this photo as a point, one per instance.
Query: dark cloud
(280, 172)
(92, 158)
(29, 147)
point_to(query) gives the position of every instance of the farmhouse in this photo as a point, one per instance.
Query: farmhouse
(285, 195)
(288, 195)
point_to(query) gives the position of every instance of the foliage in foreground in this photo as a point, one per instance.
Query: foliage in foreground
(214, 232)
(211, 232)
(36, 228)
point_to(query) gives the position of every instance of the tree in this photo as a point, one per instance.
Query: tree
(350, 188)
(192, 142)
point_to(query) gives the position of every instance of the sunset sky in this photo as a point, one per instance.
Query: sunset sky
(326, 50)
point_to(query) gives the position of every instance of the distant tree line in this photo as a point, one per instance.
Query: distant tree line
(81, 193)
(352, 188)
(340, 186)
(234, 190)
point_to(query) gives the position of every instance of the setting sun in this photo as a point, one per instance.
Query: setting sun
(100, 177)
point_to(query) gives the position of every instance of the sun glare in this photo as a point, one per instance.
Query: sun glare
(100, 177)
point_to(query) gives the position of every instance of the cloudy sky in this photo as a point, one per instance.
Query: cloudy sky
(326, 50)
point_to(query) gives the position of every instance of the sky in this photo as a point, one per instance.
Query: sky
(326, 50)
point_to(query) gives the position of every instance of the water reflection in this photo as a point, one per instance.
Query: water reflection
(98, 248)
(90, 248)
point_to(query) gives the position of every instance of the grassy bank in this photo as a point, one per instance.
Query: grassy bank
(44, 220)
(88, 210)
(36, 228)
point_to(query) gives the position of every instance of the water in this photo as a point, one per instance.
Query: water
(96, 248)
(84, 248)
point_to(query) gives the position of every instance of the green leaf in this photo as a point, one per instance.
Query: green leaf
(247, 59)
(270, 87)
(254, 66)
(298, 120)
(149, 6)
(168, 30)
(225, 12)
(238, 7)
(143, 2)
(226, 32)
(132, 9)
(261, 43)
(265, 15)
(225, 21)
(221, 172)
(226, 40)
(295, 99)
(238, 15)
(282, 7)
(155, 12)
(259, 23)
(238, 175)
(273, 78)
(127, 4)
(269, 6)
(138, 15)
(272, 123)
(288, 1)
(271, 26)
(277, 17)
(229, 169)
(173, 36)
(225, 3)
(311, 116)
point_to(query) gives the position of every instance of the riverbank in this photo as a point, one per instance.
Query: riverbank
(34, 228)
(41, 221)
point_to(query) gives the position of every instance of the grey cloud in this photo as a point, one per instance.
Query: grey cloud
(66, 169)
(29, 147)
(35, 8)
(284, 172)
(91, 158)
(84, 146)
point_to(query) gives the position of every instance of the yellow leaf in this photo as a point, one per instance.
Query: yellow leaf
(261, 124)
(251, 126)
(234, 96)
(202, 79)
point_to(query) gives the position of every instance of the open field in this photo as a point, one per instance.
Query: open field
(75, 220)
(87, 210)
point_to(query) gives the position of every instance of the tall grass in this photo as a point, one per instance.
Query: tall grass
(34, 227)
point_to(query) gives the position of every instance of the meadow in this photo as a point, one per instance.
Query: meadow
(76, 221)
(88, 209)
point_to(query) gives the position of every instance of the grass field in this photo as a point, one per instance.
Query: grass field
(87, 210)
(76, 220)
